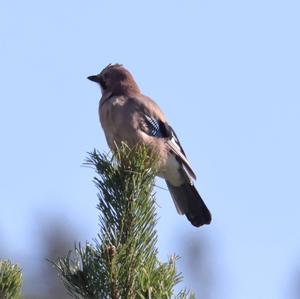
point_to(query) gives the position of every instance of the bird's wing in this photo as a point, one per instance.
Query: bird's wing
(159, 129)
(177, 149)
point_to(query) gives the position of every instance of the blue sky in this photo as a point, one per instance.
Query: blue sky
(227, 75)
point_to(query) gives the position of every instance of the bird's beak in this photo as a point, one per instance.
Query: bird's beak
(94, 78)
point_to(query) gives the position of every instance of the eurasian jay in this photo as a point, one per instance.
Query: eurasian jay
(127, 115)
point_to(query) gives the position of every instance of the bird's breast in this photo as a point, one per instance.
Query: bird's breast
(117, 121)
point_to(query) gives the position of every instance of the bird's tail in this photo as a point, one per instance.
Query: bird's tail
(189, 202)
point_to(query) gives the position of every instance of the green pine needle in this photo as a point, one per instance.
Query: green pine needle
(123, 261)
(10, 280)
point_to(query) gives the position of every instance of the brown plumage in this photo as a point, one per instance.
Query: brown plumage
(127, 115)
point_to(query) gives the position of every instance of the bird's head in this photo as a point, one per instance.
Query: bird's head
(115, 79)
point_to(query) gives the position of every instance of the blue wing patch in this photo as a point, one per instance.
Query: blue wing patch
(155, 127)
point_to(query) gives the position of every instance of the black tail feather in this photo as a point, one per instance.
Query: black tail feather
(189, 202)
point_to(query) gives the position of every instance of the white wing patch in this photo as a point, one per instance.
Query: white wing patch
(176, 149)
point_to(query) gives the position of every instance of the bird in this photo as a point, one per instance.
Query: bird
(126, 115)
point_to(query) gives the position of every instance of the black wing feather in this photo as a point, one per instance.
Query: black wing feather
(157, 128)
